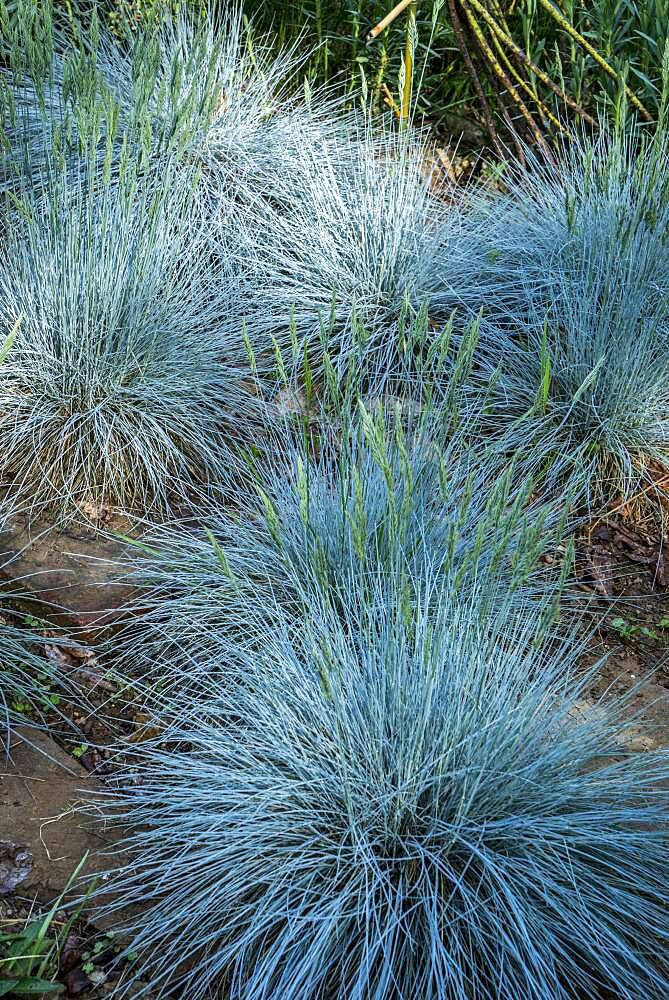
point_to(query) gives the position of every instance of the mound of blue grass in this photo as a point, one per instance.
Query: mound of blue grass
(572, 271)
(365, 244)
(119, 388)
(204, 89)
(378, 497)
(397, 806)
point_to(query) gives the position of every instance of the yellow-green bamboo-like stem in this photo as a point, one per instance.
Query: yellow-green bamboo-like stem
(499, 71)
(390, 100)
(524, 85)
(408, 61)
(471, 69)
(592, 51)
(388, 19)
(520, 53)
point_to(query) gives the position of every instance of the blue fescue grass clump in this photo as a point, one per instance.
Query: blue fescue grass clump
(203, 88)
(118, 388)
(361, 244)
(335, 504)
(397, 805)
(572, 270)
(208, 87)
(308, 528)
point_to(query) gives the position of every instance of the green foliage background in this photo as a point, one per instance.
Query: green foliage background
(630, 35)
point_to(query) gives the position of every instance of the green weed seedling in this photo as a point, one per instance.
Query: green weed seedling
(29, 958)
(627, 630)
(33, 622)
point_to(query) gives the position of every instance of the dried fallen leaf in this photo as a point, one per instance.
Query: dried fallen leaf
(76, 982)
(599, 568)
(16, 864)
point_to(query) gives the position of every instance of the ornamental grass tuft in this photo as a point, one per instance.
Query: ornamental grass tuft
(397, 805)
(571, 269)
(204, 89)
(363, 244)
(328, 510)
(119, 388)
